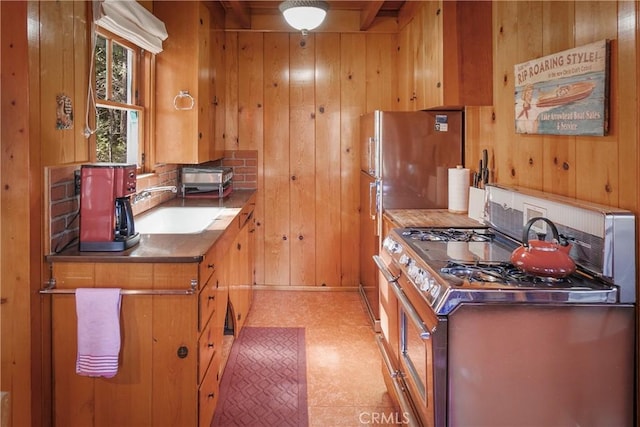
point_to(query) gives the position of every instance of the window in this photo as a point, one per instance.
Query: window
(120, 111)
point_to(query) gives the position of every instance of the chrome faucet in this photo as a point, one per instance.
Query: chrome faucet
(146, 193)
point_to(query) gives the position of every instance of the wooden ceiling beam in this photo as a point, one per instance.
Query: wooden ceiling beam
(240, 12)
(368, 14)
(406, 13)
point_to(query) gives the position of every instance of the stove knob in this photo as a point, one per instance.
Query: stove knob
(412, 271)
(435, 290)
(424, 282)
(419, 277)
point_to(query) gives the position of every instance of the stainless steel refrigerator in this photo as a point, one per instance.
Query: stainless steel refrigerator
(405, 158)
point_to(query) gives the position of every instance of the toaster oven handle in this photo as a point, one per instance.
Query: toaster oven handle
(406, 304)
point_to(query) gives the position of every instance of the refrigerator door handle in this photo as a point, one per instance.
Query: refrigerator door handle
(373, 199)
(372, 156)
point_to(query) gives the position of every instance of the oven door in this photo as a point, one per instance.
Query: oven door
(407, 349)
(416, 355)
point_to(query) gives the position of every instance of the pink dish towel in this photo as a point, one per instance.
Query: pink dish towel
(98, 311)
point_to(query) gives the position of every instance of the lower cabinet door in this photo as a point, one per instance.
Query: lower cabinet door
(208, 346)
(208, 398)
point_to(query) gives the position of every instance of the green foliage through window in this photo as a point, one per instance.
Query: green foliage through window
(117, 115)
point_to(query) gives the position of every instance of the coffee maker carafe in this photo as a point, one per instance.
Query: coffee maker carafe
(106, 217)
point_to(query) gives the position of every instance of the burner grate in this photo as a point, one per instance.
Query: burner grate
(449, 234)
(500, 272)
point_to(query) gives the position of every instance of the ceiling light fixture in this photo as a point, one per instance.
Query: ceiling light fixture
(304, 15)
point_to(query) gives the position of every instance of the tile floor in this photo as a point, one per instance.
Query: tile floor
(344, 377)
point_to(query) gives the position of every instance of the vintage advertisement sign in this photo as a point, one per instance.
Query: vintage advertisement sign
(565, 93)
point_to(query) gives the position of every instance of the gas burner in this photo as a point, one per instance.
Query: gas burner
(449, 234)
(499, 272)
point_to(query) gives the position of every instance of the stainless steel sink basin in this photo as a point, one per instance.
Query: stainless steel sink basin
(176, 220)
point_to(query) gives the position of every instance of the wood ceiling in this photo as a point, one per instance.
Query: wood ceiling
(242, 10)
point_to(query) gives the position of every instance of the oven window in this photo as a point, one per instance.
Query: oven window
(414, 354)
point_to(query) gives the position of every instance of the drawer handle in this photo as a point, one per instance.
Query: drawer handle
(212, 297)
(211, 395)
(210, 345)
(210, 266)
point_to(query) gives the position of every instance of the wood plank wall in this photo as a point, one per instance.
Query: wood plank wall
(603, 169)
(598, 169)
(20, 373)
(296, 101)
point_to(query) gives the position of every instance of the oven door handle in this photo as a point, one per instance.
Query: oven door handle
(406, 304)
(384, 270)
(399, 387)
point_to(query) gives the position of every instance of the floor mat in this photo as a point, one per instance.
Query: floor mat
(264, 382)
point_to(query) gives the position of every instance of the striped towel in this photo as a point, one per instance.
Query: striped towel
(98, 312)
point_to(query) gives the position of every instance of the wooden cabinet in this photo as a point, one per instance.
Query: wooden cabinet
(240, 268)
(171, 346)
(210, 339)
(455, 66)
(158, 364)
(185, 98)
(217, 88)
(387, 225)
(170, 364)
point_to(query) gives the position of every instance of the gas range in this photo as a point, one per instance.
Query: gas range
(453, 305)
(453, 266)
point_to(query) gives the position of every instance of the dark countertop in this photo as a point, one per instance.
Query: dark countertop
(429, 218)
(170, 247)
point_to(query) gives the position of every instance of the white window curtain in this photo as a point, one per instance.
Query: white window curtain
(130, 20)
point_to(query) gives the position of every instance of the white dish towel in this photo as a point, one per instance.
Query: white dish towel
(98, 312)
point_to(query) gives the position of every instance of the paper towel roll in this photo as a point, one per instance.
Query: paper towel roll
(458, 189)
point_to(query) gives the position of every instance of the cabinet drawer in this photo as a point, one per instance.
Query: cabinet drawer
(207, 347)
(207, 302)
(246, 213)
(207, 398)
(205, 269)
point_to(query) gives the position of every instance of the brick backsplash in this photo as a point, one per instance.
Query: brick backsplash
(61, 216)
(245, 168)
(165, 175)
(61, 219)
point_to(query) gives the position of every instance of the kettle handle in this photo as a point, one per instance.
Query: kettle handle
(527, 228)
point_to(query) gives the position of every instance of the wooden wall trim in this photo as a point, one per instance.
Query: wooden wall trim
(20, 232)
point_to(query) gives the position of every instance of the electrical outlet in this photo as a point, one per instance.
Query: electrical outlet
(76, 182)
(532, 211)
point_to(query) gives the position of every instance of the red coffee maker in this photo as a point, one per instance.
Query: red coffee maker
(106, 217)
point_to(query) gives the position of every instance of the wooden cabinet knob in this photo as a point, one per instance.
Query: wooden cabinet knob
(183, 352)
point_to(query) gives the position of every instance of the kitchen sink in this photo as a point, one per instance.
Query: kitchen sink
(176, 220)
